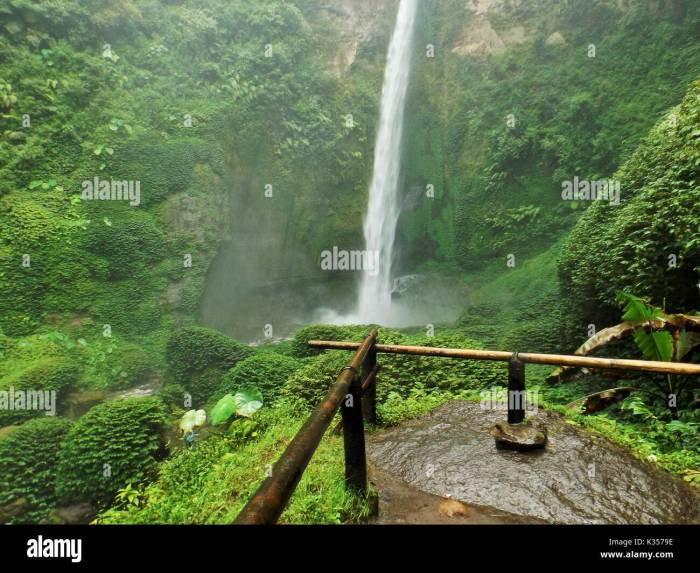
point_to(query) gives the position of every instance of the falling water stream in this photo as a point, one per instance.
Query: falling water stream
(374, 299)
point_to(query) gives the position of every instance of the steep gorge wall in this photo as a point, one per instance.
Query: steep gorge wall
(514, 102)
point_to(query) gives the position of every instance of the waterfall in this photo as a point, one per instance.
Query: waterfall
(374, 299)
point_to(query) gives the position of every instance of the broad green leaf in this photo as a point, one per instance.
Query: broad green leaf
(248, 401)
(637, 309)
(655, 345)
(192, 419)
(224, 409)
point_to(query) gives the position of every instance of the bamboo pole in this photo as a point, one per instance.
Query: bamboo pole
(530, 357)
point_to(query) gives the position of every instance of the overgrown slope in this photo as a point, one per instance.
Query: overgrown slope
(521, 96)
(650, 243)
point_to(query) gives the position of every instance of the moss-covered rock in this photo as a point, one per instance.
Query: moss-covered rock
(28, 465)
(57, 374)
(113, 444)
(128, 365)
(266, 371)
(199, 357)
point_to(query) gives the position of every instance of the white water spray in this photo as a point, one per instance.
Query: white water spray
(374, 301)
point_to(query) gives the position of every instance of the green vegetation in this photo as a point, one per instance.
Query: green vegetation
(48, 374)
(29, 460)
(128, 365)
(114, 444)
(497, 131)
(310, 383)
(646, 431)
(206, 105)
(266, 371)
(211, 482)
(649, 244)
(198, 357)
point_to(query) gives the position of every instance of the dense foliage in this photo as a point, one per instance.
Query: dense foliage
(265, 371)
(496, 128)
(48, 374)
(177, 97)
(198, 358)
(649, 243)
(399, 374)
(114, 444)
(28, 465)
(208, 105)
(211, 482)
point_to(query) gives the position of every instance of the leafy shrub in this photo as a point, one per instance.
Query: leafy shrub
(128, 365)
(172, 394)
(28, 462)
(396, 408)
(165, 168)
(266, 371)
(532, 336)
(399, 373)
(198, 357)
(38, 229)
(627, 247)
(309, 384)
(325, 332)
(113, 444)
(49, 373)
(130, 242)
(211, 482)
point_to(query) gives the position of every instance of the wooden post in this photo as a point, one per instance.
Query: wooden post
(369, 396)
(516, 390)
(354, 438)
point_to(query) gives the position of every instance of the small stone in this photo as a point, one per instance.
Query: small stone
(530, 435)
(451, 507)
(76, 514)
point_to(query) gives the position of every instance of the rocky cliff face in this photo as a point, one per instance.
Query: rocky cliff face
(357, 22)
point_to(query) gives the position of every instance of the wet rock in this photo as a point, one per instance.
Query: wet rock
(530, 435)
(78, 513)
(401, 285)
(13, 509)
(399, 503)
(579, 478)
(147, 389)
(78, 403)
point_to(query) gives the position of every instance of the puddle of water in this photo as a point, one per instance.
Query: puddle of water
(580, 478)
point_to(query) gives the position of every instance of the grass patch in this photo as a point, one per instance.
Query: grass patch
(211, 483)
